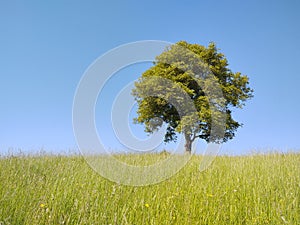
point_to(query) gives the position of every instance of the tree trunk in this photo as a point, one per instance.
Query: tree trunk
(188, 143)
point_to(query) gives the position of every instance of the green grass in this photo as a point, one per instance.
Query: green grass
(256, 189)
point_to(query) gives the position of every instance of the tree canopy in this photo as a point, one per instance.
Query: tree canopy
(191, 89)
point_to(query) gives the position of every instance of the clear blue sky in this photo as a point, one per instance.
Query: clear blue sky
(45, 47)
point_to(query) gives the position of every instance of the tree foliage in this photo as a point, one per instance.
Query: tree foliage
(191, 88)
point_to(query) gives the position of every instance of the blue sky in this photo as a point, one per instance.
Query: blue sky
(45, 47)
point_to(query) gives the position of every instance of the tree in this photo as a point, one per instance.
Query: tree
(191, 89)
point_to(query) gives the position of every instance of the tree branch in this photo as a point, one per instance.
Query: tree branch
(194, 137)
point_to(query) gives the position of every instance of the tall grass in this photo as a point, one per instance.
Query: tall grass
(255, 189)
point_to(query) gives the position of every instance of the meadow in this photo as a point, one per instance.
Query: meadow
(253, 189)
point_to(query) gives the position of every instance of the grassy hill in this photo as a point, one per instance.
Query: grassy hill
(254, 189)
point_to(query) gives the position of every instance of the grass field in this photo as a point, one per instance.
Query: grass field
(254, 189)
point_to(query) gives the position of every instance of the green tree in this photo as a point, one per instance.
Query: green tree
(191, 89)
